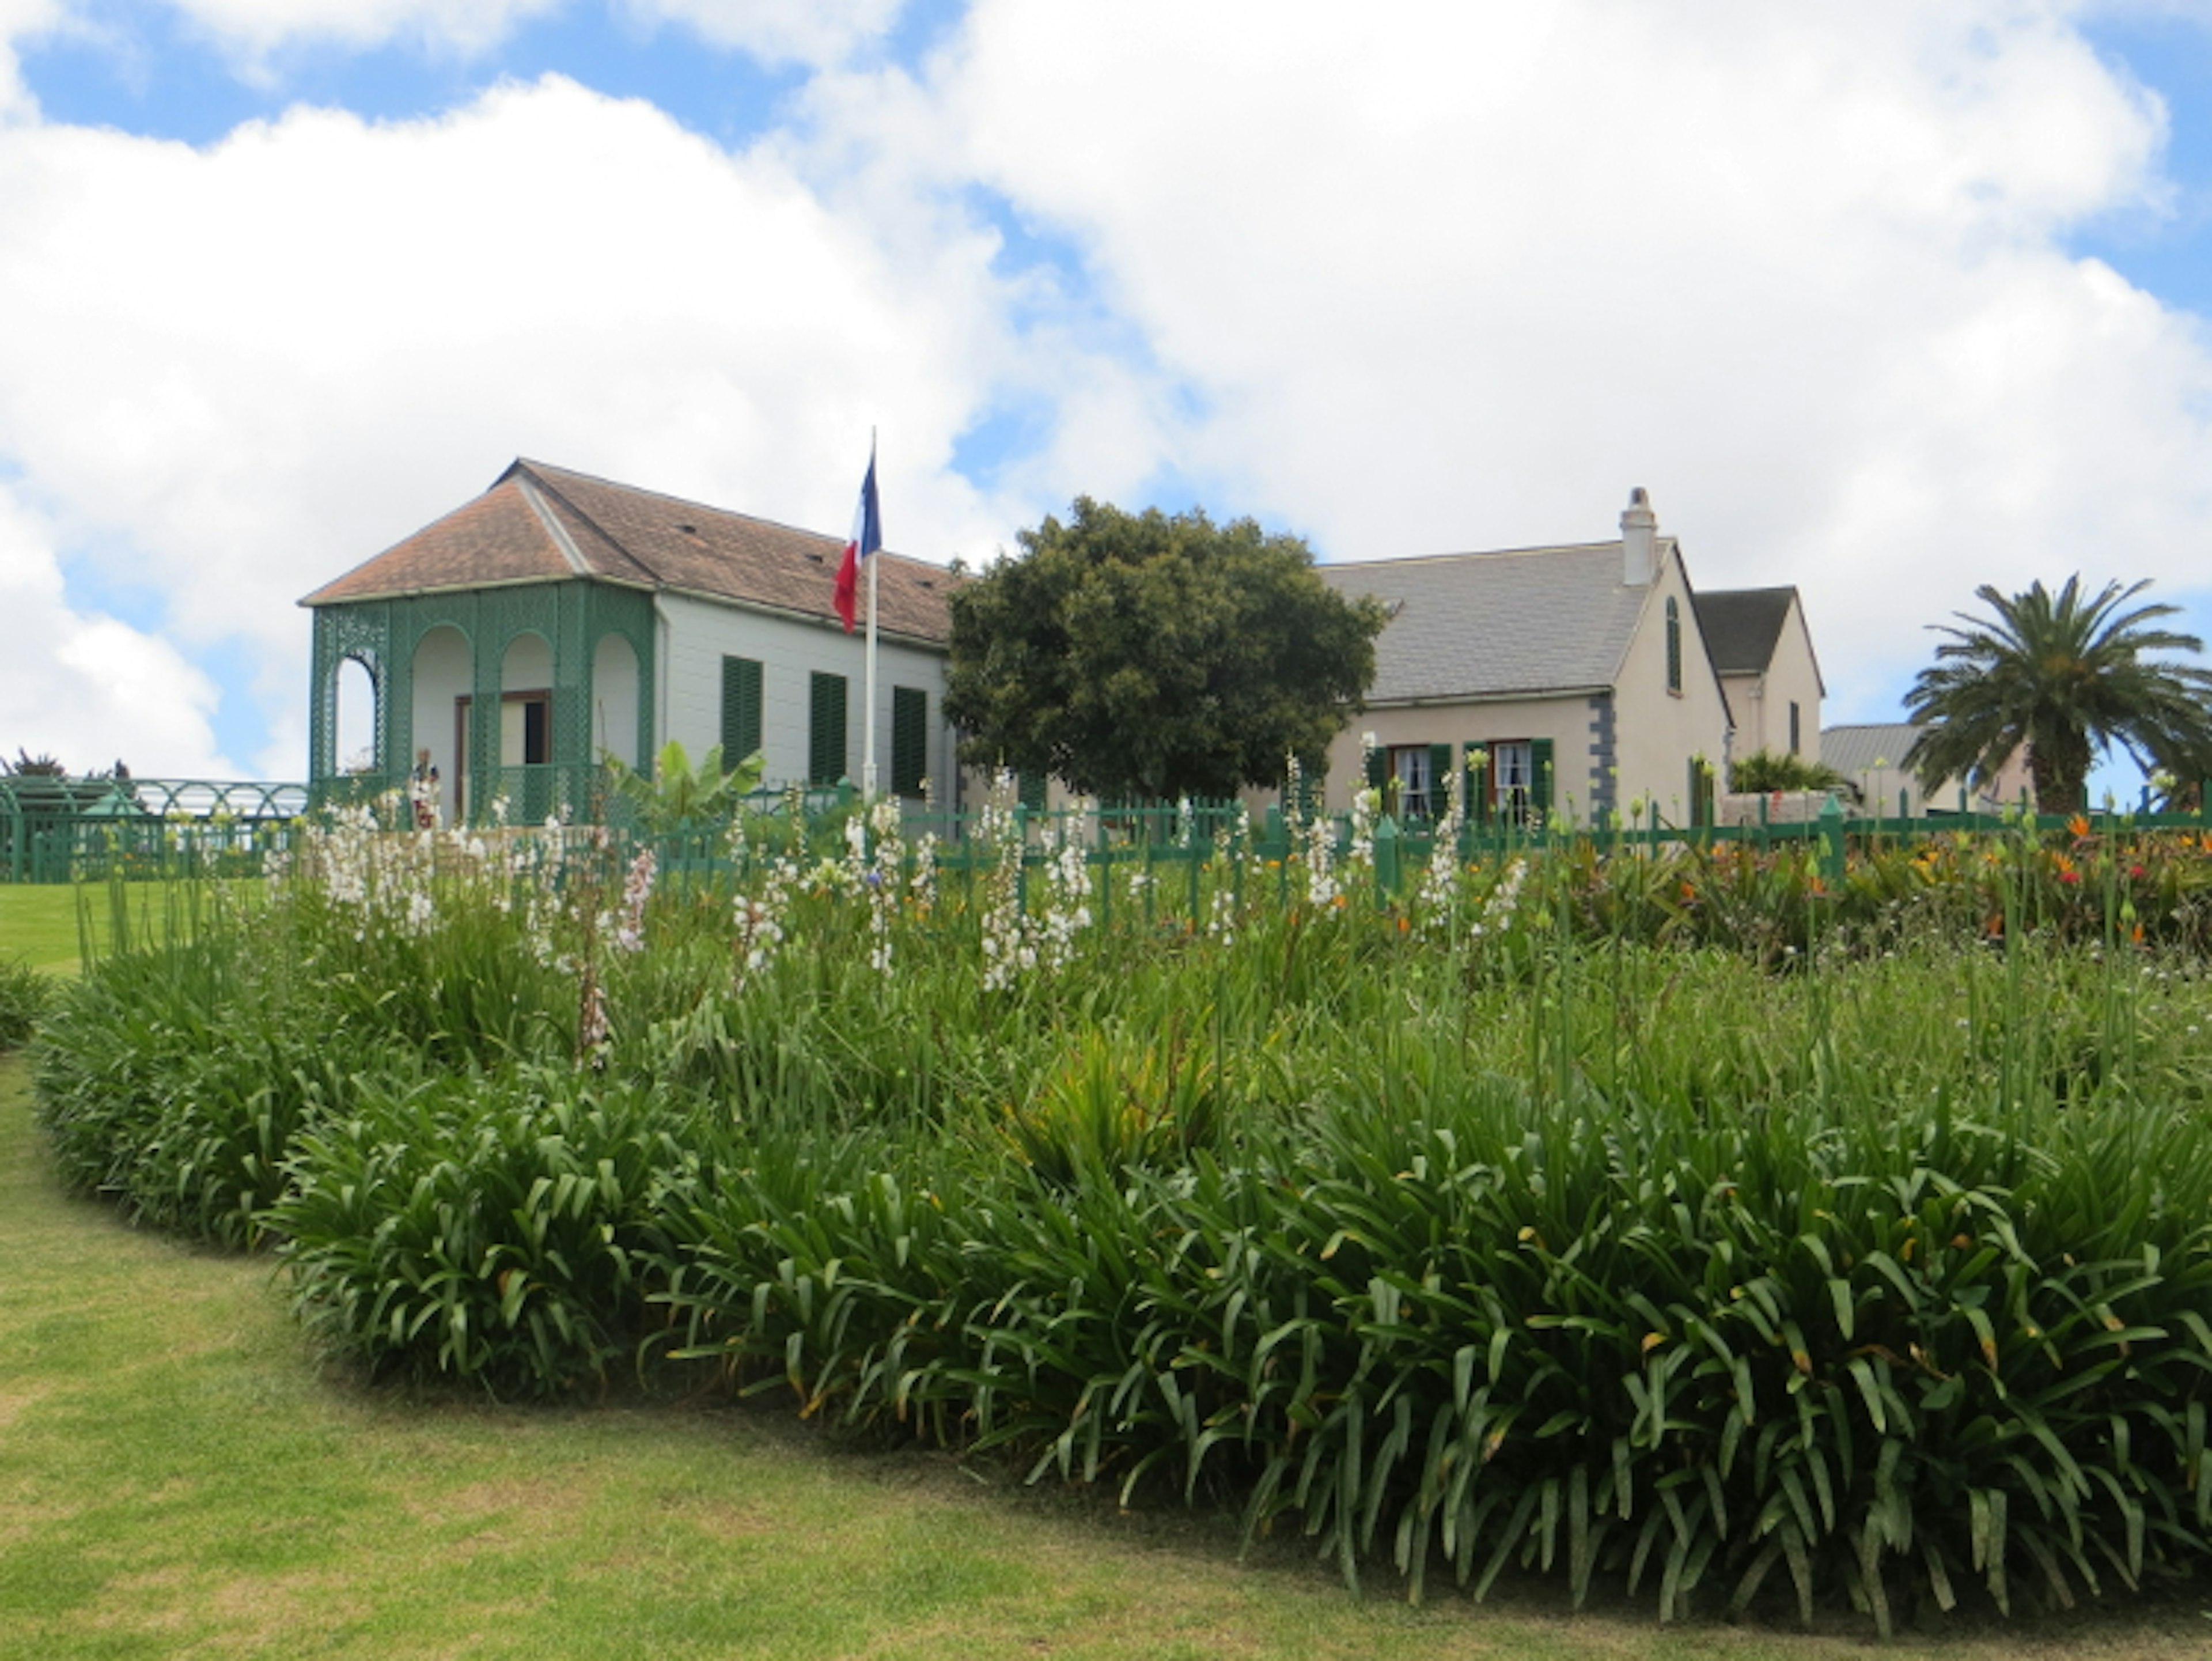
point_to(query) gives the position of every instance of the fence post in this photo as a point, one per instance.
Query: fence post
(1385, 859)
(1832, 839)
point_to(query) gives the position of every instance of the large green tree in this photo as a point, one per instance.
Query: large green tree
(1149, 656)
(2066, 677)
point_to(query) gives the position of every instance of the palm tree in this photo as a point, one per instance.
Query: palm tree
(2064, 677)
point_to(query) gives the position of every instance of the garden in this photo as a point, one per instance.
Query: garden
(1697, 1221)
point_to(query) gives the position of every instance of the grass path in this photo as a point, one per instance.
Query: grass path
(178, 1477)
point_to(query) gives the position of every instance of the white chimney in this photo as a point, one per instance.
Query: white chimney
(1639, 540)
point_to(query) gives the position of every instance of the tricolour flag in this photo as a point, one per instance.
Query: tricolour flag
(867, 537)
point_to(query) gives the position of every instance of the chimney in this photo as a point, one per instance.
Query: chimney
(1639, 540)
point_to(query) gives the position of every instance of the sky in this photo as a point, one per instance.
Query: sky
(1884, 300)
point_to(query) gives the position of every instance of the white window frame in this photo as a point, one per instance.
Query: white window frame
(1513, 778)
(1409, 767)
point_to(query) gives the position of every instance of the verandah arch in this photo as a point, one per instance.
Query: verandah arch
(575, 620)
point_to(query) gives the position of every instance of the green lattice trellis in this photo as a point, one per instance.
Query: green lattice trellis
(383, 636)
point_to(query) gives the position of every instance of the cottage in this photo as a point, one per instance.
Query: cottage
(1580, 674)
(559, 616)
(1763, 652)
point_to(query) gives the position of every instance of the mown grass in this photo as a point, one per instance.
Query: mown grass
(177, 1475)
(39, 921)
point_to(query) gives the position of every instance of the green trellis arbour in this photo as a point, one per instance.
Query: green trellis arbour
(512, 691)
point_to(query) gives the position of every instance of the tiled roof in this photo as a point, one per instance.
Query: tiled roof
(539, 523)
(1740, 626)
(1530, 621)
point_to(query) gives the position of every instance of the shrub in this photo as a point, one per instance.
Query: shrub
(24, 995)
(494, 1232)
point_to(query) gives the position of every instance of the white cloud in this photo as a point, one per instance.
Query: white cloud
(86, 687)
(1405, 279)
(258, 363)
(817, 32)
(1461, 282)
(253, 30)
(20, 20)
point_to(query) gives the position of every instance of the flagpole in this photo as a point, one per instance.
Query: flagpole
(868, 696)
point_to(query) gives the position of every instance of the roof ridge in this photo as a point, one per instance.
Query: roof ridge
(541, 468)
(537, 471)
(1471, 553)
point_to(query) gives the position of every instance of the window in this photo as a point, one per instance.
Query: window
(825, 729)
(1512, 778)
(1411, 773)
(1794, 735)
(909, 740)
(1520, 779)
(1674, 647)
(741, 709)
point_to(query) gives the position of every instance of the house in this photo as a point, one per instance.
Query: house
(1580, 674)
(559, 616)
(1872, 756)
(1763, 652)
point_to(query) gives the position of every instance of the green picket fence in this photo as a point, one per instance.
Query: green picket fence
(54, 829)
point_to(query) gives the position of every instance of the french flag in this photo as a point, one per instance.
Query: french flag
(867, 537)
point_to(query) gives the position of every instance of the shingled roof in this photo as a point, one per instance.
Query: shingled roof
(541, 524)
(1531, 620)
(1740, 626)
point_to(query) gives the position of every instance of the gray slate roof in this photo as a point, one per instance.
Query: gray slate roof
(1525, 621)
(1740, 626)
(1853, 749)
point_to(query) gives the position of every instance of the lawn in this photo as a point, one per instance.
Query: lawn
(178, 1475)
(39, 921)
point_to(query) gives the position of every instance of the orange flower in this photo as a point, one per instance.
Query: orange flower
(2078, 825)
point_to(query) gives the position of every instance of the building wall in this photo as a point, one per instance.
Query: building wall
(1656, 731)
(1760, 703)
(1567, 722)
(697, 634)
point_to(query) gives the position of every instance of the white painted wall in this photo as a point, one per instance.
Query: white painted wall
(614, 699)
(1564, 720)
(1761, 703)
(1656, 731)
(442, 673)
(528, 665)
(699, 633)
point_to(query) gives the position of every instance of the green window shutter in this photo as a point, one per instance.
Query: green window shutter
(1032, 789)
(741, 709)
(909, 740)
(825, 729)
(1478, 783)
(1378, 767)
(1539, 765)
(1442, 785)
(1674, 645)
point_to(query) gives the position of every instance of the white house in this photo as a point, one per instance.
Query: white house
(1580, 673)
(558, 616)
(1763, 652)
